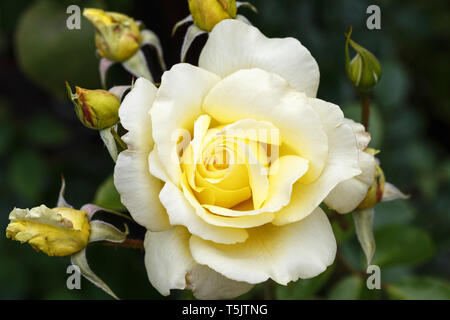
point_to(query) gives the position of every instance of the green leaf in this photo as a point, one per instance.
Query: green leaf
(107, 196)
(393, 212)
(420, 288)
(349, 288)
(303, 289)
(394, 76)
(402, 245)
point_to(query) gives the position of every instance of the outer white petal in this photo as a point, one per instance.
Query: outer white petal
(133, 114)
(156, 167)
(207, 284)
(342, 164)
(181, 212)
(330, 114)
(233, 45)
(137, 187)
(299, 250)
(260, 95)
(170, 266)
(176, 107)
(347, 195)
(362, 137)
(168, 259)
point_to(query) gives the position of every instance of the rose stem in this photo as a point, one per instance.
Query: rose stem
(365, 104)
(128, 243)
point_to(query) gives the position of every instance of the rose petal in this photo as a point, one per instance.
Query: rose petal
(299, 250)
(207, 284)
(347, 195)
(342, 165)
(181, 212)
(233, 45)
(168, 259)
(176, 107)
(170, 266)
(286, 171)
(134, 117)
(222, 221)
(137, 187)
(260, 95)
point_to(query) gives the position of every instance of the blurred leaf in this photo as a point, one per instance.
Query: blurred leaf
(423, 157)
(393, 86)
(348, 288)
(303, 289)
(393, 212)
(423, 288)
(351, 250)
(46, 131)
(402, 245)
(107, 196)
(49, 53)
(394, 274)
(27, 174)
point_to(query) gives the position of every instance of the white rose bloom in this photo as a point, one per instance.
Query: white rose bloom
(228, 162)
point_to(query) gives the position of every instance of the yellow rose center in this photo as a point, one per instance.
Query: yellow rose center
(229, 166)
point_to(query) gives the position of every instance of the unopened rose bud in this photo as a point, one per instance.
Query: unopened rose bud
(208, 13)
(364, 70)
(118, 37)
(96, 109)
(375, 192)
(56, 232)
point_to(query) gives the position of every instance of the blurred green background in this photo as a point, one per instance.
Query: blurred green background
(41, 138)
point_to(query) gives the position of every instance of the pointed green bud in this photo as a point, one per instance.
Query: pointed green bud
(96, 109)
(364, 70)
(208, 13)
(118, 36)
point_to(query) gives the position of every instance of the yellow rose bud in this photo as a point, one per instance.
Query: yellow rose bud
(118, 37)
(375, 192)
(96, 109)
(208, 13)
(364, 70)
(56, 232)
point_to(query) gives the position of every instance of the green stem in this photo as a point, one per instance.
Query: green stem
(128, 243)
(365, 115)
(118, 139)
